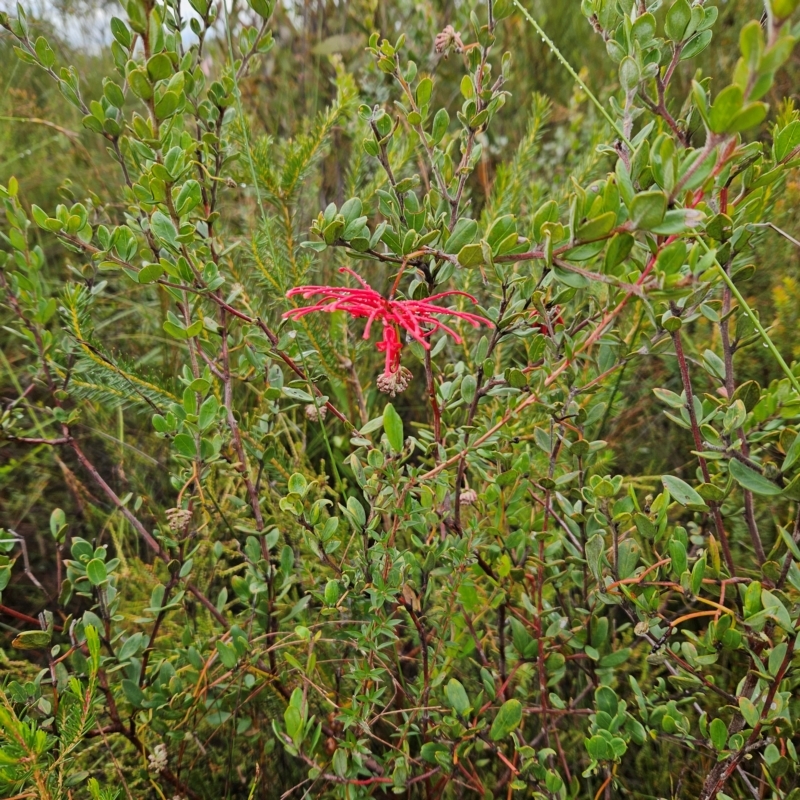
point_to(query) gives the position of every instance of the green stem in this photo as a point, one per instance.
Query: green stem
(750, 313)
(552, 45)
(315, 398)
(240, 111)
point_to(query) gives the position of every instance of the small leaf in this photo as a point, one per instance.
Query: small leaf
(681, 492)
(508, 719)
(750, 116)
(339, 762)
(752, 480)
(792, 454)
(670, 398)
(727, 105)
(440, 124)
(31, 640)
(696, 45)
(468, 388)
(150, 272)
(776, 657)
(96, 572)
(749, 711)
(133, 693)
(648, 209)
(677, 20)
(471, 255)
(719, 734)
(227, 654)
(162, 227)
(208, 412)
(297, 484)
(424, 91)
(457, 697)
(596, 228)
(463, 233)
(393, 426)
(594, 552)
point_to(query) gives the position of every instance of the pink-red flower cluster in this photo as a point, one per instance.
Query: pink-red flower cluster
(420, 318)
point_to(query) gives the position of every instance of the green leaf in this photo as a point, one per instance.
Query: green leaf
(96, 572)
(752, 480)
(776, 656)
(457, 697)
(134, 694)
(727, 105)
(424, 91)
(159, 67)
(140, 84)
(749, 711)
(120, 32)
(150, 272)
(469, 386)
(598, 748)
(356, 511)
(696, 45)
(792, 454)
(677, 20)
(429, 750)
(189, 197)
(297, 394)
(227, 654)
(500, 231)
(113, 94)
(471, 255)
(339, 762)
(167, 105)
(629, 74)
(31, 640)
(677, 554)
(393, 426)
(463, 233)
(596, 228)
(208, 412)
(648, 209)
(670, 398)
(174, 330)
(594, 549)
(503, 9)
(333, 591)
(507, 720)
(751, 42)
(750, 116)
(162, 226)
(719, 734)
(297, 484)
(262, 7)
(783, 9)
(644, 29)
(440, 124)
(681, 492)
(44, 52)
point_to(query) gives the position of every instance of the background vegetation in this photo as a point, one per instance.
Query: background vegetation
(213, 585)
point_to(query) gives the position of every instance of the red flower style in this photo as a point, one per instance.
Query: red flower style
(418, 317)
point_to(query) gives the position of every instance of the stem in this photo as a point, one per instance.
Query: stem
(237, 94)
(754, 319)
(698, 445)
(557, 53)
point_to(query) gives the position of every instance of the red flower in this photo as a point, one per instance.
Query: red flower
(417, 317)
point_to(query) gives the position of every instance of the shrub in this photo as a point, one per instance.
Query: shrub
(376, 542)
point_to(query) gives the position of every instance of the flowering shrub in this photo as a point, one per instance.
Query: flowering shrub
(313, 591)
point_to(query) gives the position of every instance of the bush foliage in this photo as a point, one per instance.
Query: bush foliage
(327, 409)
